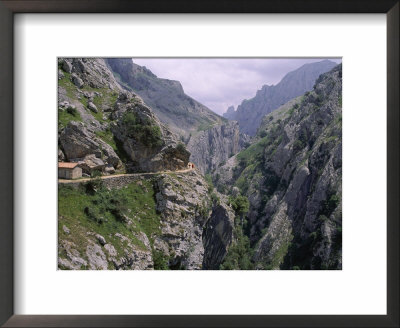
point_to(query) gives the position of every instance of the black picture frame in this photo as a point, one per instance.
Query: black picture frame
(10, 7)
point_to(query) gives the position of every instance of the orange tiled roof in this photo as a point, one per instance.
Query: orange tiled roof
(66, 165)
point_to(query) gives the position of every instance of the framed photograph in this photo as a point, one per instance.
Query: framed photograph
(209, 164)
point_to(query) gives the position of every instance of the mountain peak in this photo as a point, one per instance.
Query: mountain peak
(230, 113)
(295, 83)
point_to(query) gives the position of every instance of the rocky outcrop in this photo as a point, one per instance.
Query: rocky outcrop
(149, 144)
(250, 112)
(100, 255)
(213, 147)
(92, 72)
(172, 106)
(81, 145)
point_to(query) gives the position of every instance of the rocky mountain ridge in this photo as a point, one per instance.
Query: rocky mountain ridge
(250, 112)
(183, 114)
(291, 175)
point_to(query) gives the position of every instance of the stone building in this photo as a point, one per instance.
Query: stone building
(69, 170)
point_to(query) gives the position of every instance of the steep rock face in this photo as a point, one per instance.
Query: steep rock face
(213, 147)
(181, 113)
(187, 215)
(217, 236)
(291, 175)
(269, 98)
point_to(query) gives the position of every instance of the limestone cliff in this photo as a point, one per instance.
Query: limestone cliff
(213, 147)
(291, 175)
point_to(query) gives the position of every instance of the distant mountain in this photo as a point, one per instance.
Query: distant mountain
(249, 114)
(183, 114)
(230, 113)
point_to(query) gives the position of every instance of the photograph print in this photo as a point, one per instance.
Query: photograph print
(199, 163)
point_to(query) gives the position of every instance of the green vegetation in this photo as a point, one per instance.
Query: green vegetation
(240, 205)
(253, 152)
(298, 145)
(210, 184)
(93, 208)
(215, 199)
(338, 119)
(66, 84)
(330, 204)
(72, 111)
(291, 110)
(181, 148)
(204, 126)
(263, 133)
(239, 254)
(160, 260)
(66, 116)
(279, 256)
(142, 129)
(331, 138)
(107, 97)
(108, 137)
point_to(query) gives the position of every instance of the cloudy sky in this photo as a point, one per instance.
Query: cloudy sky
(219, 83)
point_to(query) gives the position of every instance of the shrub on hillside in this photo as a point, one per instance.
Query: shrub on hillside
(239, 254)
(160, 261)
(181, 148)
(72, 111)
(92, 186)
(240, 205)
(142, 129)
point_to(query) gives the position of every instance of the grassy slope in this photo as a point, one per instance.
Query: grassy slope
(136, 201)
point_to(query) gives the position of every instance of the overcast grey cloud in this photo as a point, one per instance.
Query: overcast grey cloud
(219, 83)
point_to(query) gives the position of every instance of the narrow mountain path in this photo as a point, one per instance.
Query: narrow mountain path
(104, 177)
